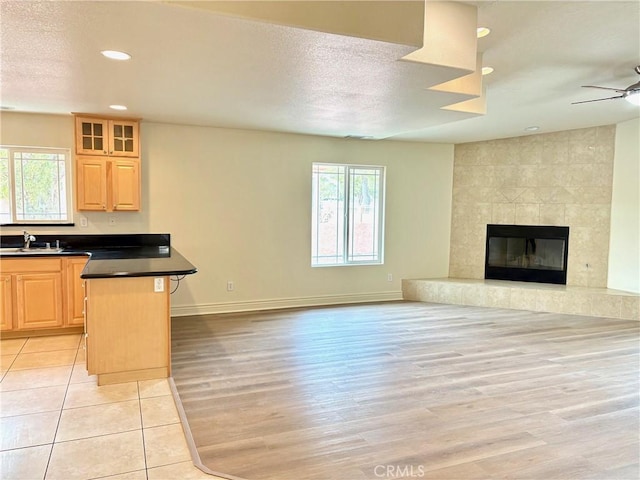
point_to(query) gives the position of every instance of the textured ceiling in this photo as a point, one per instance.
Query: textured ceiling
(195, 66)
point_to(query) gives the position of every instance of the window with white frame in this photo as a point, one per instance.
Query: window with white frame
(347, 214)
(35, 185)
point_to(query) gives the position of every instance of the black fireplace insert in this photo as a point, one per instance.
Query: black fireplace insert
(527, 253)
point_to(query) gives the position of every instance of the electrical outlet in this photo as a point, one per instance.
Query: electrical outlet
(230, 286)
(158, 284)
(84, 222)
(389, 277)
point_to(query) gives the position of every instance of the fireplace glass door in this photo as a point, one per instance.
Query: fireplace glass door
(527, 253)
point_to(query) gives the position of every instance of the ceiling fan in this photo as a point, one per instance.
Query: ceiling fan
(631, 94)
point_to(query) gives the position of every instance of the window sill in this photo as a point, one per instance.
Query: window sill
(39, 224)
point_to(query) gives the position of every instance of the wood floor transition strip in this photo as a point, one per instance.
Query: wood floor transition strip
(193, 451)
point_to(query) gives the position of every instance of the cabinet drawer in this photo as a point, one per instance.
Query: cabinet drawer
(26, 265)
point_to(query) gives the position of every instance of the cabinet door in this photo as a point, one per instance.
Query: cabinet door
(92, 183)
(39, 300)
(125, 185)
(92, 136)
(6, 303)
(75, 291)
(123, 141)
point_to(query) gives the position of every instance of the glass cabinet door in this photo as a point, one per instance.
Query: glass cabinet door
(124, 138)
(91, 136)
(107, 136)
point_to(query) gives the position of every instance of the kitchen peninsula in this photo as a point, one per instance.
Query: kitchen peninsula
(126, 299)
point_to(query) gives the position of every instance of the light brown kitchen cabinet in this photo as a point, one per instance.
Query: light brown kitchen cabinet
(125, 185)
(108, 185)
(39, 300)
(41, 294)
(128, 329)
(75, 290)
(113, 137)
(36, 293)
(91, 191)
(107, 164)
(6, 302)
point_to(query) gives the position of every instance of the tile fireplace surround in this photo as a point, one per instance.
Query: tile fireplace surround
(536, 297)
(559, 179)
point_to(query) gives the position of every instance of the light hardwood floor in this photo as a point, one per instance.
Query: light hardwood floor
(411, 390)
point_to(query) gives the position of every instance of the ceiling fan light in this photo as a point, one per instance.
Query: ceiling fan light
(633, 98)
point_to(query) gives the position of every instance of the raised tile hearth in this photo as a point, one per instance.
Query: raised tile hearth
(537, 297)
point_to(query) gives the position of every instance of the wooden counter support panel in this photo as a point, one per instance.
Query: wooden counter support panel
(128, 329)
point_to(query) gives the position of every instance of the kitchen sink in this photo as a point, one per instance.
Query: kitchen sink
(29, 251)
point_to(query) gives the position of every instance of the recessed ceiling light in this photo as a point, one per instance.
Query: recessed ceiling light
(483, 31)
(487, 70)
(115, 55)
(118, 107)
(533, 128)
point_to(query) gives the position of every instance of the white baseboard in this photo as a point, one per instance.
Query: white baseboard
(272, 304)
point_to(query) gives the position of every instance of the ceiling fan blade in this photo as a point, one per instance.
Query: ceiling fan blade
(597, 100)
(604, 88)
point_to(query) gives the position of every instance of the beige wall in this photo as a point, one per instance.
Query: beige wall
(624, 252)
(562, 178)
(238, 205)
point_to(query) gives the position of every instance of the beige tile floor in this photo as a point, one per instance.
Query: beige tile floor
(56, 423)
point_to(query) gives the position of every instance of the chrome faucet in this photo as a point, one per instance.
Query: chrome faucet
(28, 238)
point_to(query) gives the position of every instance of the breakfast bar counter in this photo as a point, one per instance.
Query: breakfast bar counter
(142, 262)
(126, 299)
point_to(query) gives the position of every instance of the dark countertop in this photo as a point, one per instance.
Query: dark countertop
(143, 255)
(134, 263)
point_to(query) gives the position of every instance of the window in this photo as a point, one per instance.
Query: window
(35, 185)
(348, 215)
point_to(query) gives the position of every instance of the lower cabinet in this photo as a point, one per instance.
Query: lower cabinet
(128, 329)
(75, 290)
(6, 302)
(41, 293)
(38, 300)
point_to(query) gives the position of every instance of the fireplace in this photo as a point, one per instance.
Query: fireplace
(527, 253)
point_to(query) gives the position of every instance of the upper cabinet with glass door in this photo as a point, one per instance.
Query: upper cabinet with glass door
(114, 137)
